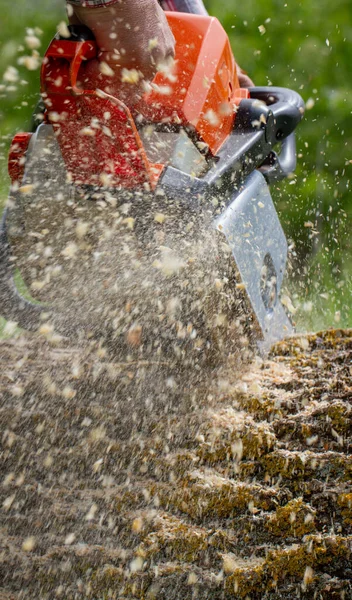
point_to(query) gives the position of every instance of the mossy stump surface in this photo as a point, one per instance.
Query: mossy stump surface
(244, 494)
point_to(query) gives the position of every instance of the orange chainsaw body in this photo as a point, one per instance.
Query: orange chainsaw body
(97, 133)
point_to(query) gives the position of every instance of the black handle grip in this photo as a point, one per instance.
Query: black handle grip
(79, 33)
(286, 105)
(281, 165)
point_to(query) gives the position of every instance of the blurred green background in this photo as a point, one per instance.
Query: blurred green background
(304, 45)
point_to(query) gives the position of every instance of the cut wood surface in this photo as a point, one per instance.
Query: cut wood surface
(245, 494)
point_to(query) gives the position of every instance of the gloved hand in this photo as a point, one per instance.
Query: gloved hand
(133, 37)
(244, 80)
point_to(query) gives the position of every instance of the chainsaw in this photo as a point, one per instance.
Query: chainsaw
(197, 150)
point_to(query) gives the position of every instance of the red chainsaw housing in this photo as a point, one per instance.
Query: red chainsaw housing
(97, 133)
(17, 156)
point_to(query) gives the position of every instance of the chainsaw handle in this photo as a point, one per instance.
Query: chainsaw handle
(77, 49)
(281, 165)
(287, 108)
(80, 34)
(83, 52)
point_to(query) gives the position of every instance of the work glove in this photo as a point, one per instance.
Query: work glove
(134, 39)
(243, 78)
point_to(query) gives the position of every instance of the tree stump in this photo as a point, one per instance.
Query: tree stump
(245, 493)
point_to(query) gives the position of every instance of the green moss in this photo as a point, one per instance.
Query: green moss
(317, 552)
(246, 470)
(298, 466)
(288, 465)
(345, 502)
(331, 338)
(340, 415)
(243, 582)
(130, 499)
(174, 540)
(241, 440)
(262, 408)
(203, 494)
(296, 519)
(289, 564)
(174, 466)
(105, 579)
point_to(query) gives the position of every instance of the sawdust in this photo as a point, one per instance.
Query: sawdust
(109, 267)
(244, 492)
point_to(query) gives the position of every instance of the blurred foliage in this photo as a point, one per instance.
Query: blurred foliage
(17, 99)
(305, 45)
